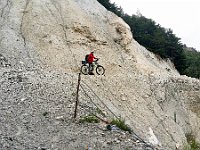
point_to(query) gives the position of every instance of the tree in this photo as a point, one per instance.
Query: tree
(159, 40)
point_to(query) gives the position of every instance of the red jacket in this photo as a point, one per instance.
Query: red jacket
(91, 58)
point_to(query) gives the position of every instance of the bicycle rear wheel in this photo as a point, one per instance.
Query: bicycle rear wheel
(100, 70)
(84, 69)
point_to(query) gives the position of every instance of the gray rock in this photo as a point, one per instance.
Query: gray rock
(42, 44)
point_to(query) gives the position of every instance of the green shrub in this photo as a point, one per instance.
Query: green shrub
(192, 143)
(120, 123)
(99, 111)
(89, 119)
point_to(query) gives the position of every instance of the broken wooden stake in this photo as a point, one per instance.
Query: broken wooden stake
(77, 100)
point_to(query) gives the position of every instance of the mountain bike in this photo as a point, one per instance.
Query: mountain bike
(85, 69)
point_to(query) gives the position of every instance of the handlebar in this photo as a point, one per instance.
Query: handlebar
(96, 59)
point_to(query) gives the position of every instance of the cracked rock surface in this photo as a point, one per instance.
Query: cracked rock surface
(42, 44)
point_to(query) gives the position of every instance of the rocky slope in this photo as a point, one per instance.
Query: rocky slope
(42, 44)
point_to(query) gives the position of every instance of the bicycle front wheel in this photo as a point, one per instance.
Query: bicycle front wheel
(100, 70)
(84, 69)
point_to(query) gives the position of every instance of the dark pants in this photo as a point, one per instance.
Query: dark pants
(91, 66)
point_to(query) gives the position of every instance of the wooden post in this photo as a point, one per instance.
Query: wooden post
(76, 104)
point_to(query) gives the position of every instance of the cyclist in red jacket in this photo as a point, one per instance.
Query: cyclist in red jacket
(90, 60)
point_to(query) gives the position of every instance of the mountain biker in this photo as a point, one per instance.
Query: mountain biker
(90, 60)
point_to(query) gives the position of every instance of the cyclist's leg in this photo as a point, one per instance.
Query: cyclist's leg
(92, 65)
(91, 68)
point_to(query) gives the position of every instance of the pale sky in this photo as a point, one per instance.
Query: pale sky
(182, 16)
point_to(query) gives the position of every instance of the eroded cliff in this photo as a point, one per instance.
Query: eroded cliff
(42, 44)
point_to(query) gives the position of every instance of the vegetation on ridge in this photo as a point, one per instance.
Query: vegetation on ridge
(192, 143)
(159, 40)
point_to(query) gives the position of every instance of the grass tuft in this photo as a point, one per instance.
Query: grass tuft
(192, 143)
(120, 123)
(89, 119)
(99, 111)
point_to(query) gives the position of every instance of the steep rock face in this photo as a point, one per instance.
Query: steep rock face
(42, 43)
